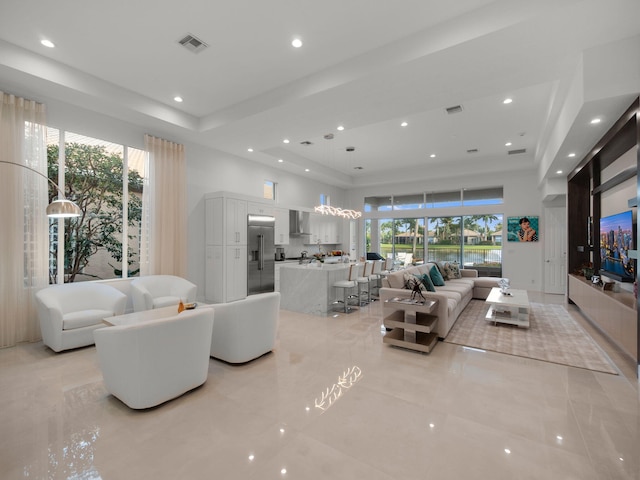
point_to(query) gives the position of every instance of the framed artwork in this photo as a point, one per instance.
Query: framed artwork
(522, 229)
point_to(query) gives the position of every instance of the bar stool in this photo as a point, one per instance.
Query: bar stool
(374, 278)
(347, 285)
(365, 280)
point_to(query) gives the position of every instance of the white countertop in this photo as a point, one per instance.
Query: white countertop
(314, 266)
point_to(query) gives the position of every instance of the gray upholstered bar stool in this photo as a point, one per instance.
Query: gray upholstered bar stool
(375, 278)
(364, 280)
(346, 286)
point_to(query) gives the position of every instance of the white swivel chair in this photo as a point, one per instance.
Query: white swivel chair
(155, 291)
(148, 363)
(364, 281)
(355, 270)
(245, 329)
(70, 313)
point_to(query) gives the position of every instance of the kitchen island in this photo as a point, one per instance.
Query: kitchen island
(309, 288)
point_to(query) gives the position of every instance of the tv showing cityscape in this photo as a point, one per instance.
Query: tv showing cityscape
(616, 239)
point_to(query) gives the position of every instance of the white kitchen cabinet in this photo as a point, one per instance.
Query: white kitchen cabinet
(235, 287)
(235, 221)
(256, 208)
(226, 248)
(282, 226)
(326, 229)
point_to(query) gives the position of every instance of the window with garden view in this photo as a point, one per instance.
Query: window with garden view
(106, 181)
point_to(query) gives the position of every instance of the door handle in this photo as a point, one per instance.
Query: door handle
(261, 252)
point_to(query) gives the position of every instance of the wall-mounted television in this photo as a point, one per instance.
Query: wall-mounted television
(616, 239)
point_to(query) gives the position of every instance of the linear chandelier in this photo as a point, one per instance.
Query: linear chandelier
(337, 211)
(60, 208)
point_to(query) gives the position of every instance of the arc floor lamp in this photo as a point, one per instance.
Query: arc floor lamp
(60, 208)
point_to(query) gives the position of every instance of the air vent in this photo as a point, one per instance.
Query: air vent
(358, 168)
(329, 136)
(455, 109)
(472, 150)
(306, 142)
(193, 44)
(518, 151)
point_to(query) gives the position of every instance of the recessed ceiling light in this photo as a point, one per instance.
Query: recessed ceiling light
(507, 101)
(595, 121)
(286, 140)
(280, 160)
(249, 149)
(296, 43)
(559, 172)
(433, 155)
(177, 99)
(508, 144)
(47, 43)
(340, 128)
(306, 169)
(571, 155)
(404, 124)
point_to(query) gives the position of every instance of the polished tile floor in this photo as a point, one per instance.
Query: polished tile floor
(331, 402)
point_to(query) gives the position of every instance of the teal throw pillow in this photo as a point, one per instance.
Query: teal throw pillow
(426, 281)
(436, 277)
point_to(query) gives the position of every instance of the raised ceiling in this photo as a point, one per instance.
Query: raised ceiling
(367, 65)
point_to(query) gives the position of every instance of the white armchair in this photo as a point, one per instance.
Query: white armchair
(148, 363)
(245, 329)
(70, 313)
(155, 291)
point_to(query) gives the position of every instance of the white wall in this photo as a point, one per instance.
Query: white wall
(521, 262)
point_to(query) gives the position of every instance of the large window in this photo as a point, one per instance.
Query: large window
(474, 241)
(453, 198)
(105, 180)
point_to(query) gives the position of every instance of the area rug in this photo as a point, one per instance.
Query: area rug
(553, 336)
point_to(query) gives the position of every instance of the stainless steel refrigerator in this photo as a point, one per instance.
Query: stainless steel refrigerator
(262, 251)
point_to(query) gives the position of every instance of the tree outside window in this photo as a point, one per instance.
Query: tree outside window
(94, 179)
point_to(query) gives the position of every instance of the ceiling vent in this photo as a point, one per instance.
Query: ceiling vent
(306, 143)
(455, 109)
(193, 44)
(518, 151)
(472, 150)
(328, 136)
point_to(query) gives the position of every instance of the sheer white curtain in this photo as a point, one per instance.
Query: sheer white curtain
(24, 238)
(164, 210)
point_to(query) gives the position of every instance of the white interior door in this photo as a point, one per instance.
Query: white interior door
(555, 250)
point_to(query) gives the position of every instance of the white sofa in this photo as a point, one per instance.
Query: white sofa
(155, 291)
(452, 298)
(70, 313)
(150, 362)
(245, 329)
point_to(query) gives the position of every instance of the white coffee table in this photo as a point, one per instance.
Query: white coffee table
(512, 308)
(145, 315)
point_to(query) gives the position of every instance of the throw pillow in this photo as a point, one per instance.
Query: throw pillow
(428, 284)
(442, 269)
(436, 277)
(454, 270)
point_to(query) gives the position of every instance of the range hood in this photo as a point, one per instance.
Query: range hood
(299, 223)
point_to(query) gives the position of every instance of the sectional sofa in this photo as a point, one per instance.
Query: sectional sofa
(452, 298)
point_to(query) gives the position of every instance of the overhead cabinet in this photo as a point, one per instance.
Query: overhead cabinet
(325, 229)
(282, 226)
